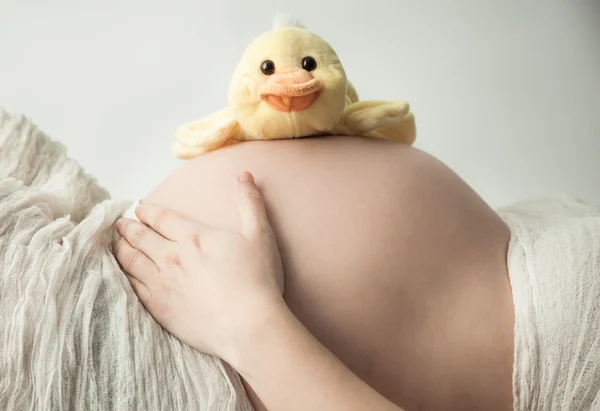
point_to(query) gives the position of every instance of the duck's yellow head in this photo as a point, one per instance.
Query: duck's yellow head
(289, 83)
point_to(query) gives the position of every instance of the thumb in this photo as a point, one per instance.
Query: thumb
(251, 207)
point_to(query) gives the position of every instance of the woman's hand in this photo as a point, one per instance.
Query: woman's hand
(206, 286)
(221, 292)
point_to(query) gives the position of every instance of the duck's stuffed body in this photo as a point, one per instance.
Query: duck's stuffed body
(290, 83)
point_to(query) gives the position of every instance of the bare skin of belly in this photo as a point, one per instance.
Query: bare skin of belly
(390, 259)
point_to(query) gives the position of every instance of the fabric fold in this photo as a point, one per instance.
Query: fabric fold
(554, 270)
(73, 335)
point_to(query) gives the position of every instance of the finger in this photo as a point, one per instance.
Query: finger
(143, 238)
(134, 262)
(167, 223)
(251, 207)
(140, 289)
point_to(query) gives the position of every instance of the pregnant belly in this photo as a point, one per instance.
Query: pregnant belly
(391, 261)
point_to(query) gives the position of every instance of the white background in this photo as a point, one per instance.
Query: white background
(506, 92)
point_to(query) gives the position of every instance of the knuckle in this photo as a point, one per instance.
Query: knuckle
(138, 236)
(172, 259)
(162, 215)
(194, 238)
(253, 195)
(133, 260)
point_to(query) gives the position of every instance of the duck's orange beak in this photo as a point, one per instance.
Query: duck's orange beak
(291, 90)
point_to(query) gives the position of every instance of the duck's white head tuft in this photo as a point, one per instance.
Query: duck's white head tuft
(281, 20)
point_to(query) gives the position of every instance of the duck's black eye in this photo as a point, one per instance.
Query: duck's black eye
(268, 67)
(309, 63)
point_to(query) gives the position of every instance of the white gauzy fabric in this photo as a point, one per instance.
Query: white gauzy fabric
(72, 334)
(130, 212)
(554, 269)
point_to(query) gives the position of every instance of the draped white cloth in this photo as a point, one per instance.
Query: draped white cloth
(554, 268)
(72, 334)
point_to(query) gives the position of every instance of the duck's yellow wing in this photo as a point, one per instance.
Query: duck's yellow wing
(381, 119)
(207, 134)
(404, 131)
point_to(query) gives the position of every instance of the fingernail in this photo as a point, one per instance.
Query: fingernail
(246, 177)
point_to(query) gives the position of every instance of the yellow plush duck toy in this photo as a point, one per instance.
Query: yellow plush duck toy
(290, 83)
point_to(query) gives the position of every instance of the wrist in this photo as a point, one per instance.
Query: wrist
(255, 335)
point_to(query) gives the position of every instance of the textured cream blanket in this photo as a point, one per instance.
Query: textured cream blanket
(72, 334)
(554, 269)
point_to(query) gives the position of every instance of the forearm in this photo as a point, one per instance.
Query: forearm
(290, 370)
